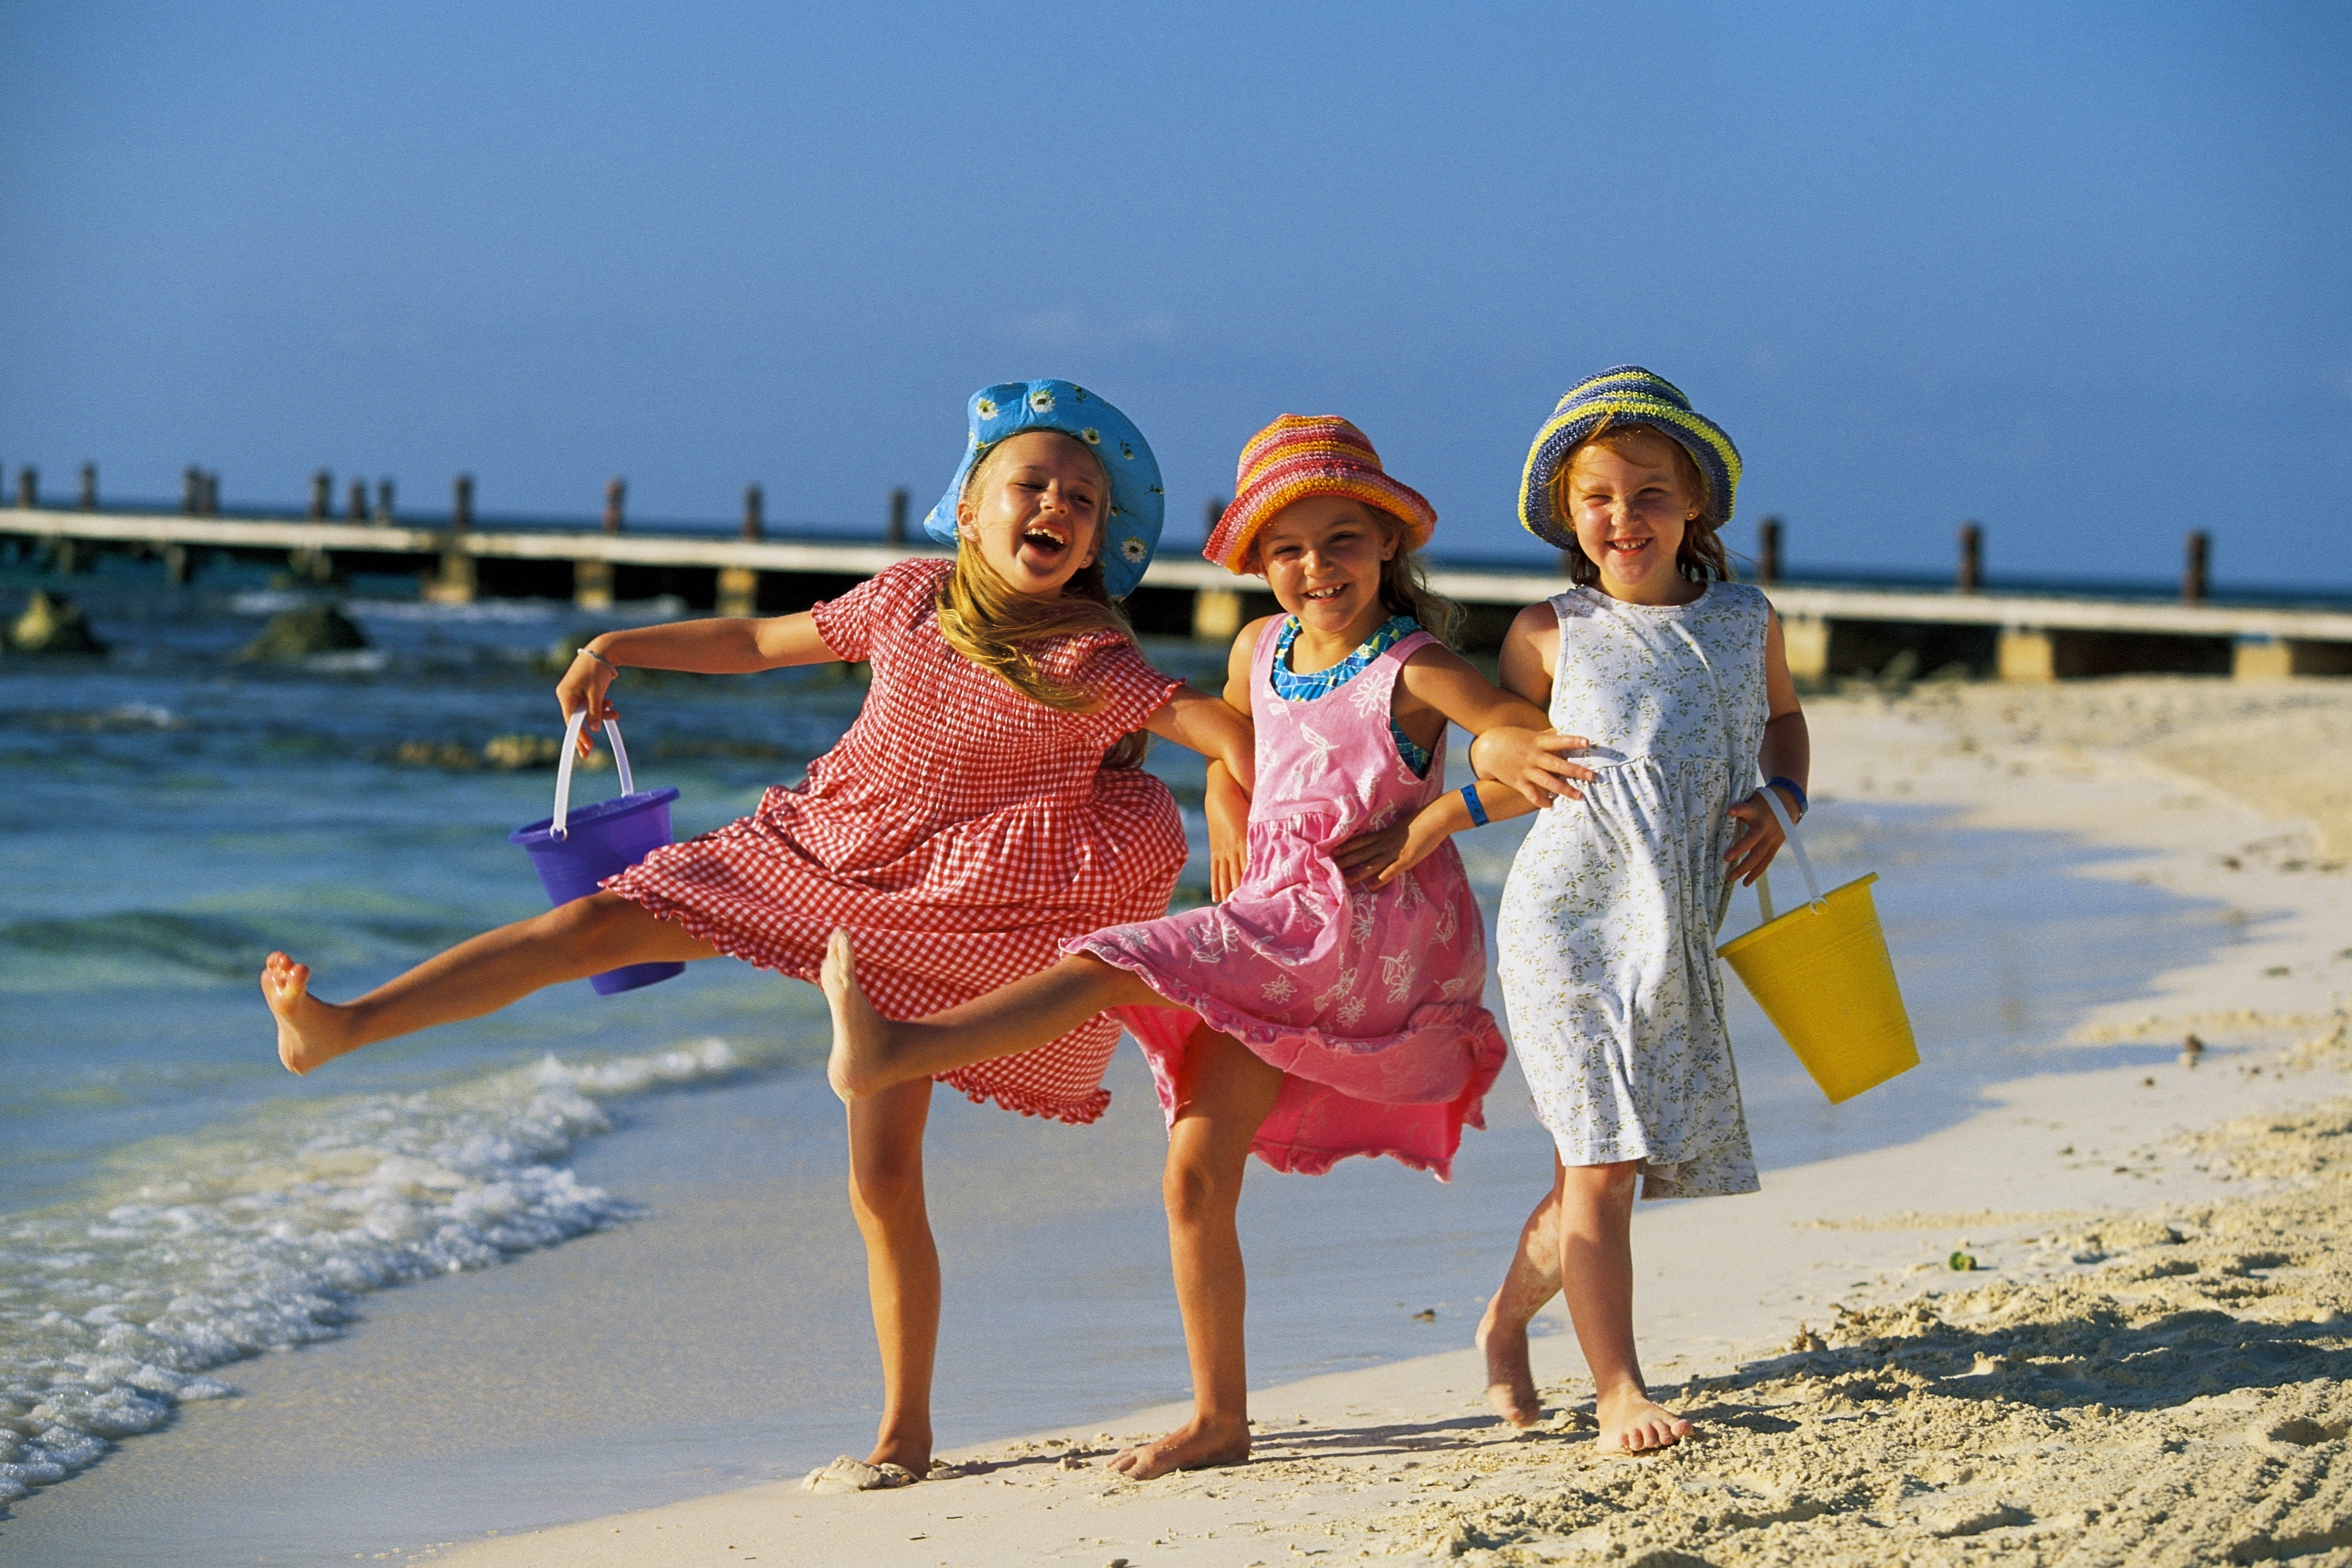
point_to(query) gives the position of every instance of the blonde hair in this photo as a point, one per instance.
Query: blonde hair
(1699, 558)
(988, 621)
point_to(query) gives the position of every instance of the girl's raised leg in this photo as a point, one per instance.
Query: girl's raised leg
(1224, 1093)
(871, 1053)
(1532, 1279)
(1596, 1273)
(570, 942)
(902, 1265)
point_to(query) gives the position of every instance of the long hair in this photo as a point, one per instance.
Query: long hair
(1404, 585)
(1700, 558)
(991, 623)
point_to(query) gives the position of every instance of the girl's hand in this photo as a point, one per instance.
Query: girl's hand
(1753, 850)
(583, 688)
(1533, 762)
(1228, 811)
(1228, 863)
(1369, 859)
(1417, 839)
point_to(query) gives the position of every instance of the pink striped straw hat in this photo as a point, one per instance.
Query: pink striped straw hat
(1302, 455)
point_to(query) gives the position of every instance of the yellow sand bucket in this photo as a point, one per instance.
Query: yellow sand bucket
(1822, 974)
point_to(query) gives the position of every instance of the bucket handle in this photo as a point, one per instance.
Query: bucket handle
(1764, 879)
(556, 829)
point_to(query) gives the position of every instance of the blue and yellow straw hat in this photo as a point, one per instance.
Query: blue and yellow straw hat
(1621, 394)
(1132, 526)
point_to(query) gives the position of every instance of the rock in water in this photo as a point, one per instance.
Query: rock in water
(52, 624)
(300, 633)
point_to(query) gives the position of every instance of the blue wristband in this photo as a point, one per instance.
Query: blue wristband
(1470, 798)
(1793, 787)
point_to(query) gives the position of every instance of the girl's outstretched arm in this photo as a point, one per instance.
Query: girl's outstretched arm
(1437, 686)
(1219, 728)
(1207, 725)
(1531, 758)
(722, 645)
(1787, 754)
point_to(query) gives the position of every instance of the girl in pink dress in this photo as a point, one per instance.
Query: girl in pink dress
(984, 808)
(1330, 1005)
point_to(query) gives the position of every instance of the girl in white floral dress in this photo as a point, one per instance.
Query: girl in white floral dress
(1674, 681)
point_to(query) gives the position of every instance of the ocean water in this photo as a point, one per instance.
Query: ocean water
(539, 1184)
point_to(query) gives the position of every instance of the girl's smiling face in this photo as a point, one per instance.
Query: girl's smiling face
(1035, 511)
(1322, 557)
(1630, 504)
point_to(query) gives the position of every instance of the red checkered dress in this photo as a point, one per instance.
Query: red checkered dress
(960, 832)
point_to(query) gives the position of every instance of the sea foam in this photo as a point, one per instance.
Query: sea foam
(204, 1251)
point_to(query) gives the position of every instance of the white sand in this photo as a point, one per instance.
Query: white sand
(2152, 1363)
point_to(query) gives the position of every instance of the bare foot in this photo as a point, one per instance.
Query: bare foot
(1632, 1423)
(1510, 1379)
(1195, 1446)
(309, 1031)
(909, 1448)
(859, 1033)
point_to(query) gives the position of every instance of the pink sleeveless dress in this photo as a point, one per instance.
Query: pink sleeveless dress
(1368, 1000)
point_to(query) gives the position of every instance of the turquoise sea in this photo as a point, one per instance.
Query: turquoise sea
(593, 1252)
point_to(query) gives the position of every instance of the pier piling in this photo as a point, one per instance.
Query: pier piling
(1768, 551)
(739, 587)
(322, 495)
(359, 501)
(1971, 576)
(896, 533)
(591, 581)
(1805, 641)
(89, 487)
(383, 501)
(738, 591)
(28, 486)
(455, 581)
(2193, 573)
(1217, 612)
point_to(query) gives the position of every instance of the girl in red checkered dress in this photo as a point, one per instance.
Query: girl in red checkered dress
(984, 807)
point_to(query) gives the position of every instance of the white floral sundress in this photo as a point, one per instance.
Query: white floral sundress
(1607, 924)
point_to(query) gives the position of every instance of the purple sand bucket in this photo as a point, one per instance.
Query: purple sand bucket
(574, 850)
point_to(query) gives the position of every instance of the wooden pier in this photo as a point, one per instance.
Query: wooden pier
(1831, 631)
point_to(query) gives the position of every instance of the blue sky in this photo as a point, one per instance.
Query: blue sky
(2083, 273)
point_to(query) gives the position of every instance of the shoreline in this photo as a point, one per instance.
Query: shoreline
(1860, 1401)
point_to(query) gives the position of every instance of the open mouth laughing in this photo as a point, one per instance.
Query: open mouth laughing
(1046, 540)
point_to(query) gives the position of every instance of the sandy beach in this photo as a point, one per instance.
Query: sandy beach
(2145, 1355)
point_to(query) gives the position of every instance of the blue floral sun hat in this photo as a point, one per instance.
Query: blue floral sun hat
(1131, 526)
